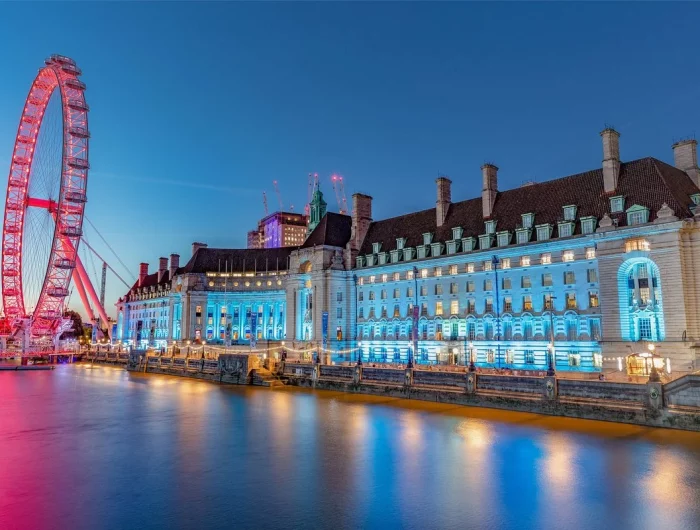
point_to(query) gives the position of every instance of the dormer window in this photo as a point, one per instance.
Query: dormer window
(490, 227)
(370, 260)
(360, 260)
(566, 229)
(588, 225)
(637, 215)
(617, 204)
(427, 238)
(528, 220)
(436, 249)
(503, 239)
(485, 241)
(544, 232)
(522, 235)
(376, 247)
(457, 232)
(695, 197)
(400, 242)
(468, 243)
(569, 213)
(453, 246)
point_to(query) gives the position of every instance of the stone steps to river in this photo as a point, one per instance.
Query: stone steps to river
(263, 377)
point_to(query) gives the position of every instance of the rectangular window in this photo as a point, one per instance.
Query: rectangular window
(637, 218)
(487, 265)
(645, 329)
(397, 311)
(546, 258)
(508, 304)
(438, 288)
(454, 288)
(590, 253)
(409, 292)
(471, 306)
(503, 239)
(385, 278)
(488, 305)
(527, 302)
(339, 312)
(487, 285)
(565, 230)
(592, 299)
(470, 267)
(338, 296)
(522, 236)
(567, 255)
(383, 294)
(525, 282)
(409, 274)
(529, 356)
(569, 278)
(548, 301)
(423, 290)
(505, 263)
(569, 213)
(471, 287)
(617, 204)
(454, 307)
(587, 226)
(438, 271)
(592, 275)
(371, 295)
(525, 261)
(506, 283)
(510, 356)
(527, 330)
(453, 270)
(438, 308)
(490, 356)
(574, 359)
(397, 293)
(571, 300)
(547, 279)
(424, 273)
(528, 219)
(636, 244)
(362, 281)
(397, 276)
(594, 328)
(490, 227)
(361, 313)
(597, 360)
(372, 278)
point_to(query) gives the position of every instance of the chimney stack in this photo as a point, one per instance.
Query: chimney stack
(162, 267)
(444, 199)
(361, 219)
(174, 264)
(685, 158)
(489, 176)
(196, 246)
(611, 158)
(143, 272)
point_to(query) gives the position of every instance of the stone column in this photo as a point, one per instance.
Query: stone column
(550, 388)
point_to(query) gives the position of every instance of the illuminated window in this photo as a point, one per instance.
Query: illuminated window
(362, 281)
(569, 277)
(571, 300)
(488, 285)
(505, 263)
(567, 255)
(385, 277)
(547, 280)
(592, 299)
(438, 308)
(454, 288)
(546, 258)
(453, 270)
(470, 267)
(590, 253)
(409, 274)
(488, 304)
(424, 273)
(488, 265)
(527, 302)
(454, 307)
(525, 282)
(438, 288)
(574, 359)
(525, 261)
(397, 293)
(423, 290)
(397, 276)
(471, 287)
(371, 279)
(438, 271)
(548, 301)
(636, 244)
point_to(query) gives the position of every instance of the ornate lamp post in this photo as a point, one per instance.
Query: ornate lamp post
(472, 366)
(495, 261)
(414, 328)
(359, 354)
(552, 353)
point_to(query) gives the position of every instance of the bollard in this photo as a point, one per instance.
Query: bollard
(408, 377)
(471, 382)
(315, 374)
(550, 387)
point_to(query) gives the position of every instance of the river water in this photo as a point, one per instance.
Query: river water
(98, 448)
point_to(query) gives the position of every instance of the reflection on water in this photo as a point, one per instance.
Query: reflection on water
(99, 448)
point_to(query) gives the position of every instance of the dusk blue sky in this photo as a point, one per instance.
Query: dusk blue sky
(196, 108)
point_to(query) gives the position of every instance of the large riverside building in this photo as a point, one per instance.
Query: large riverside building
(279, 229)
(587, 268)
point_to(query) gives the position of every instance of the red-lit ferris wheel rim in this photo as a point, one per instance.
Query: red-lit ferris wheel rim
(59, 73)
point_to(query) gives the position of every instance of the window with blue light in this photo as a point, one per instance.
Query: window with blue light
(637, 216)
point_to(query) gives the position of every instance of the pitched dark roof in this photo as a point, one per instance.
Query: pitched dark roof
(333, 230)
(238, 260)
(151, 280)
(647, 182)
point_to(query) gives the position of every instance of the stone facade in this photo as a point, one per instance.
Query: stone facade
(582, 270)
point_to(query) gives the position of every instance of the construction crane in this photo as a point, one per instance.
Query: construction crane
(312, 181)
(279, 195)
(265, 202)
(339, 190)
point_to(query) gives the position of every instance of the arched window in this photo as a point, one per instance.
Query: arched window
(641, 314)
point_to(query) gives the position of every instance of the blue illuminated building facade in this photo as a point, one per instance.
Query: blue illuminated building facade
(584, 269)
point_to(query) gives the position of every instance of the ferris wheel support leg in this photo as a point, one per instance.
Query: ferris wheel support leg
(83, 295)
(91, 292)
